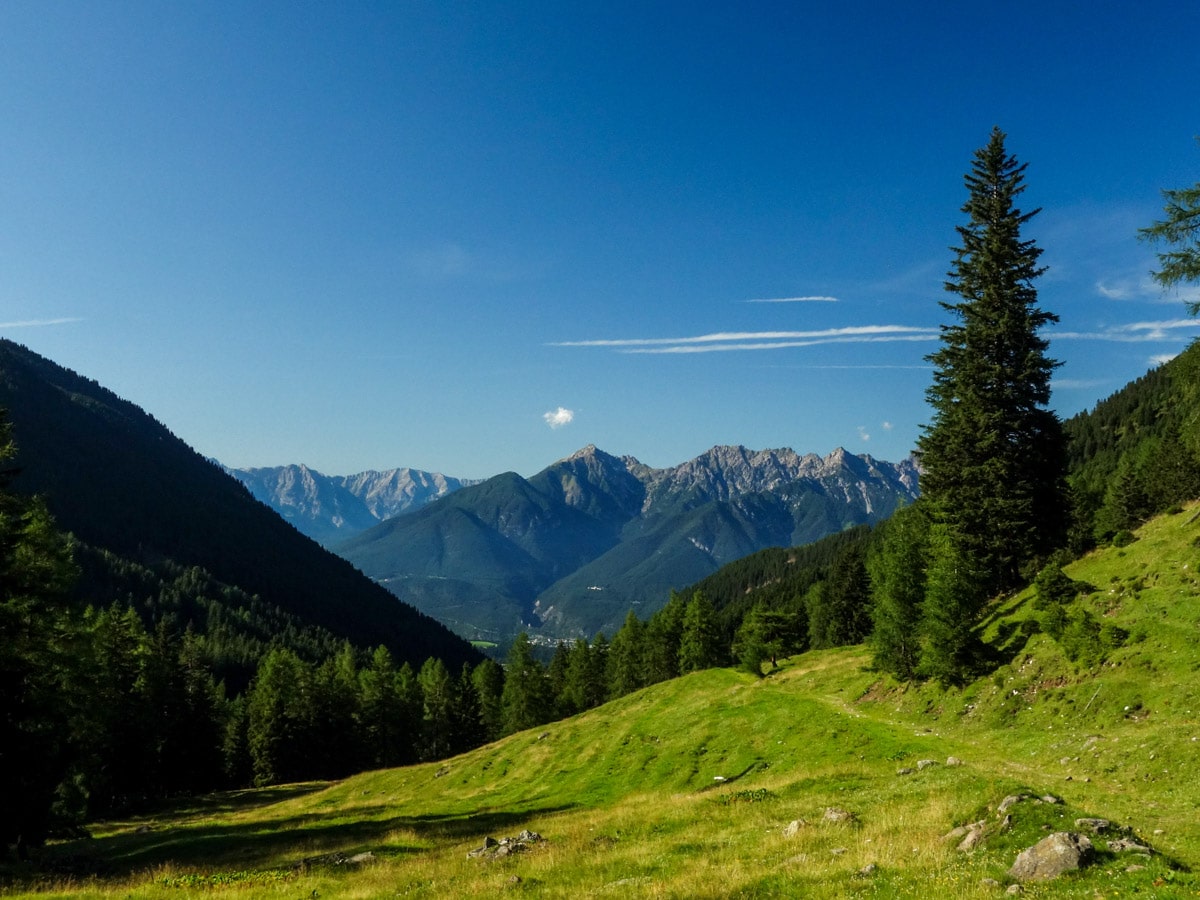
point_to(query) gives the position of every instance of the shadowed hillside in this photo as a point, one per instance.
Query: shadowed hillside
(120, 481)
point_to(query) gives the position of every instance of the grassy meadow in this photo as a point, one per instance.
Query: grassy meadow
(688, 788)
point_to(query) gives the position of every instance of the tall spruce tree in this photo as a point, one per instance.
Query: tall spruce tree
(994, 457)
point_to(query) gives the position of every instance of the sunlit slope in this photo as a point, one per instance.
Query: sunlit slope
(686, 789)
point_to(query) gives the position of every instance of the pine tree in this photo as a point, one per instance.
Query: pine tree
(663, 634)
(953, 597)
(994, 457)
(334, 725)
(838, 611)
(387, 740)
(488, 679)
(526, 700)
(556, 673)
(437, 720)
(278, 712)
(765, 635)
(897, 569)
(700, 641)
(466, 714)
(626, 671)
(1180, 230)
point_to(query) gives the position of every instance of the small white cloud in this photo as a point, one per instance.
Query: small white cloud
(812, 299)
(887, 426)
(1114, 290)
(557, 418)
(1162, 358)
(862, 434)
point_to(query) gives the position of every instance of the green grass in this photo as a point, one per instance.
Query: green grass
(685, 789)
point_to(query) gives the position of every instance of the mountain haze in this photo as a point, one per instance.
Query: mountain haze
(330, 509)
(572, 549)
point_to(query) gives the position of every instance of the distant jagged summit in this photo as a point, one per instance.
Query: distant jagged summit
(330, 509)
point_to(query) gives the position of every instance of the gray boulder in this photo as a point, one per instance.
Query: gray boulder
(1063, 851)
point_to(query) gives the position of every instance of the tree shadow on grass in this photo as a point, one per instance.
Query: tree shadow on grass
(225, 802)
(289, 842)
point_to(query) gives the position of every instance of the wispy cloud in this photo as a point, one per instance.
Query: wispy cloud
(761, 340)
(1077, 384)
(1142, 288)
(1133, 332)
(863, 435)
(887, 426)
(40, 323)
(815, 299)
(1162, 358)
(557, 418)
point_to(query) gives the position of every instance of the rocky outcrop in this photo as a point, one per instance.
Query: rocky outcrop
(1063, 851)
(497, 849)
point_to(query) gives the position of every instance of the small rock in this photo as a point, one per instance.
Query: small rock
(926, 763)
(834, 814)
(1050, 857)
(989, 882)
(953, 761)
(1006, 823)
(1015, 889)
(514, 879)
(793, 827)
(1050, 798)
(1127, 845)
(955, 833)
(1095, 826)
(868, 870)
(1135, 868)
(1009, 802)
(838, 851)
(973, 839)
(1159, 831)
(904, 771)
(359, 858)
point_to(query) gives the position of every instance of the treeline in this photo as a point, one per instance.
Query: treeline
(233, 630)
(1137, 453)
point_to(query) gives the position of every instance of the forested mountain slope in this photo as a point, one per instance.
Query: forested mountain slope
(121, 482)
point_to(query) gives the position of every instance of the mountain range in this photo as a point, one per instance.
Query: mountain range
(571, 550)
(332, 508)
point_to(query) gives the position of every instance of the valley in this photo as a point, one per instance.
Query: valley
(719, 784)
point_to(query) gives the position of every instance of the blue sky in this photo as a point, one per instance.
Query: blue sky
(474, 237)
